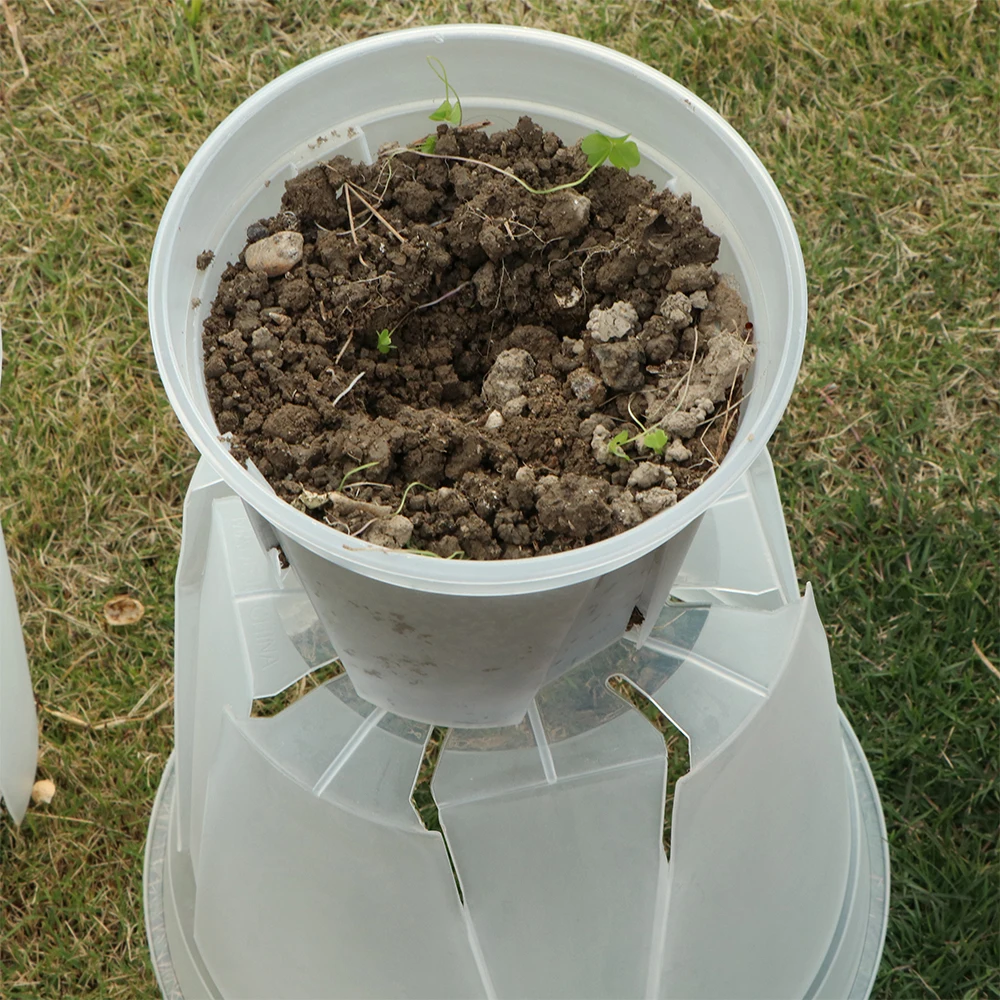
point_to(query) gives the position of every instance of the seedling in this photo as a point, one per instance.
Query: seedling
(447, 112)
(598, 147)
(616, 446)
(406, 493)
(354, 472)
(620, 151)
(653, 438)
(459, 554)
(384, 342)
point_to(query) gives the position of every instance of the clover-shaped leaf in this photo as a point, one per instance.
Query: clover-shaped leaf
(596, 147)
(615, 445)
(655, 440)
(447, 112)
(385, 344)
(624, 153)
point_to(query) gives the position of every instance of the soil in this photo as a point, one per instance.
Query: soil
(524, 333)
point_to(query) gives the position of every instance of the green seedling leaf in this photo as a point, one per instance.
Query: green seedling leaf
(385, 344)
(624, 153)
(655, 440)
(354, 472)
(615, 445)
(596, 147)
(447, 112)
(429, 144)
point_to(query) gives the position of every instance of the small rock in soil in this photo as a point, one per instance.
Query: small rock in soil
(646, 474)
(653, 501)
(573, 505)
(621, 365)
(618, 321)
(514, 407)
(677, 452)
(274, 255)
(676, 311)
(587, 388)
(509, 376)
(565, 214)
(691, 278)
(393, 532)
(256, 231)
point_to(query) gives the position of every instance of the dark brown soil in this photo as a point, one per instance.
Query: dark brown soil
(526, 331)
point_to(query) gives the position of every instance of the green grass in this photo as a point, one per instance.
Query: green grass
(879, 124)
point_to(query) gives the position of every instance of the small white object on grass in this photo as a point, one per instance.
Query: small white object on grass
(42, 792)
(123, 610)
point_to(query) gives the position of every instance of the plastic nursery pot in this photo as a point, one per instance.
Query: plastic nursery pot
(445, 641)
(18, 723)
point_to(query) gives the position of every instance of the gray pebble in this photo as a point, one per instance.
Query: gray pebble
(256, 231)
(617, 321)
(509, 376)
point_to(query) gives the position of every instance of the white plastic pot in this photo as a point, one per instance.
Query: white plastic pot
(453, 642)
(18, 721)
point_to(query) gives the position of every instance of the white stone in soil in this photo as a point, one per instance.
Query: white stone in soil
(675, 308)
(274, 255)
(728, 358)
(617, 321)
(676, 451)
(568, 300)
(494, 421)
(645, 475)
(392, 532)
(626, 512)
(508, 378)
(587, 387)
(691, 278)
(514, 407)
(653, 501)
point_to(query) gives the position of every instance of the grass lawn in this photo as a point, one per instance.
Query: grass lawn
(879, 124)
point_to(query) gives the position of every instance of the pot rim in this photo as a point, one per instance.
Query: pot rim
(450, 576)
